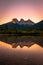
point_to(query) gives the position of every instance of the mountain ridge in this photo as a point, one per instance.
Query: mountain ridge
(22, 21)
(17, 27)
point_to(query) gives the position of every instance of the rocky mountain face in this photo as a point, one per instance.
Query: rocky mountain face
(22, 21)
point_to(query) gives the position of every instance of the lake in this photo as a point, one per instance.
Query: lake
(21, 50)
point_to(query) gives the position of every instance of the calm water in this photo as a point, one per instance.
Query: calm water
(21, 50)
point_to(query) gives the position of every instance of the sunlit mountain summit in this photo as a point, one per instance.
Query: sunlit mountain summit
(22, 21)
(14, 20)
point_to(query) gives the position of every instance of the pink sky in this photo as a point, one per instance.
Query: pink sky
(26, 9)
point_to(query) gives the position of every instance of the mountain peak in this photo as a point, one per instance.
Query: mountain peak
(30, 22)
(22, 20)
(14, 20)
(41, 21)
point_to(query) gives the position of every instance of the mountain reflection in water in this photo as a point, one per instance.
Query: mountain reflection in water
(22, 40)
(21, 50)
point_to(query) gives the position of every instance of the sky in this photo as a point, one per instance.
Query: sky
(26, 9)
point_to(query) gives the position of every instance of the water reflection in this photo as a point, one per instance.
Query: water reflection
(22, 40)
(21, 51)
(20, 56)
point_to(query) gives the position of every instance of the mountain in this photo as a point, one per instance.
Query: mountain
(22, 21)
(39, 25)
(17, 24)
(22, 27)
(9, 25)
(28, 22)
(14, 20)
